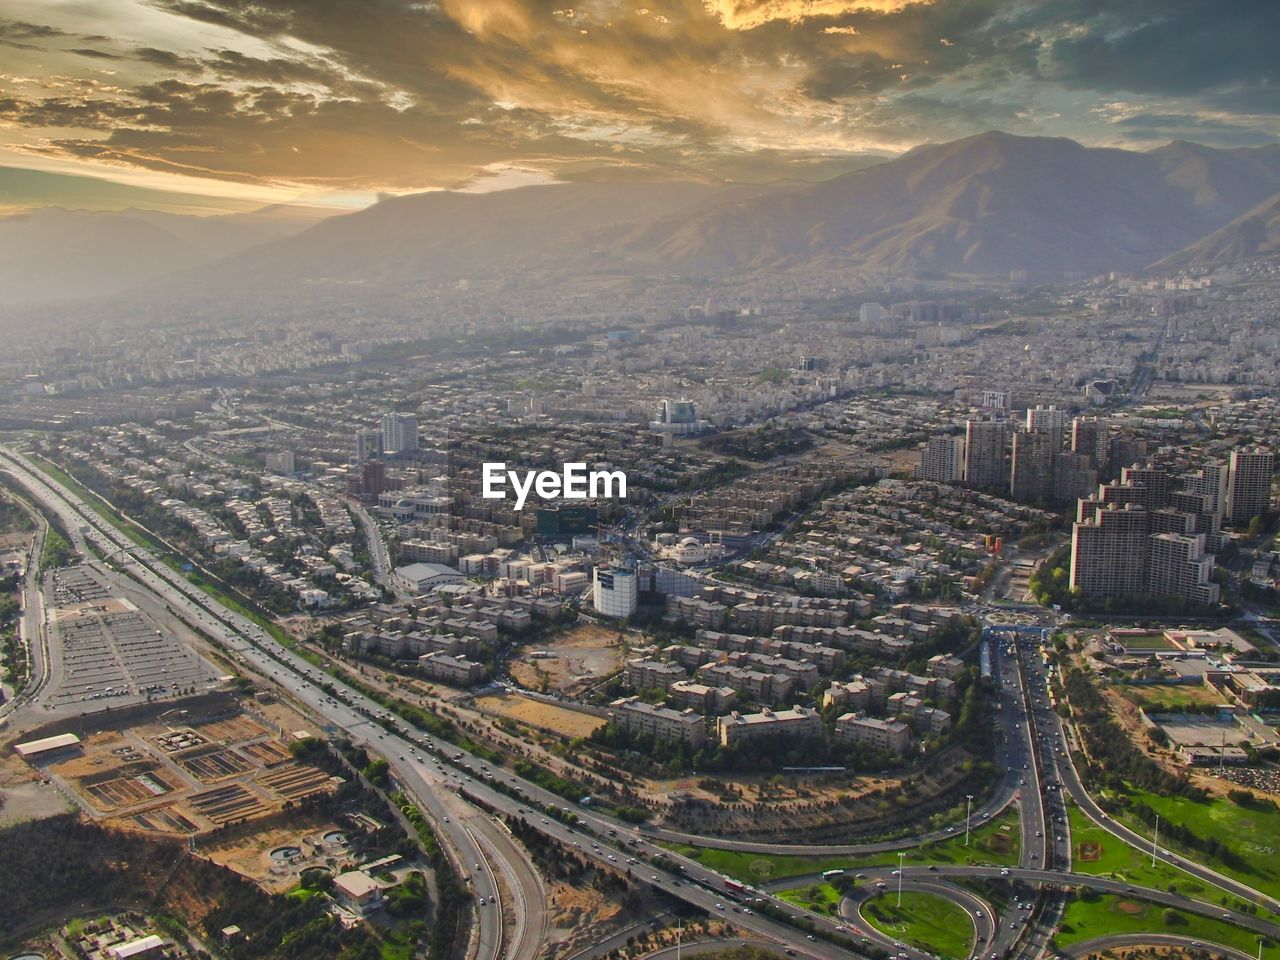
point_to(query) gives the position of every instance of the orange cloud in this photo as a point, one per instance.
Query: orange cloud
(749, 14)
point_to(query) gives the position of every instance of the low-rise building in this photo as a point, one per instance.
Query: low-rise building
(661, 723)
(738, 728)
(893, 736)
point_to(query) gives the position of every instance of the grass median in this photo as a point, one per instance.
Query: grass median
(925, 921)
(995, 842)
(1100, 915)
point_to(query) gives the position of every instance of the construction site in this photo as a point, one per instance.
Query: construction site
(188, 767)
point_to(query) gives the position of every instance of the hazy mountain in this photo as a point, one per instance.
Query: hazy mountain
(52, 253)
(984, 205)
(446, 233)
(22, 189)
(987, 204)
(1221, 182)
(1254, 234)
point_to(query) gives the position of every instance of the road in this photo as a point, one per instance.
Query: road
(1087, 948)
(31, 626)
(379, 558)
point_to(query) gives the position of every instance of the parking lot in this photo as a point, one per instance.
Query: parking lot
(109, 650)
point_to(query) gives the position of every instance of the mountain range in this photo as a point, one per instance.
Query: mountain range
(982, 206)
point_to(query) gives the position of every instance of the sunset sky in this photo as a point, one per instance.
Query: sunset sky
(332, 101)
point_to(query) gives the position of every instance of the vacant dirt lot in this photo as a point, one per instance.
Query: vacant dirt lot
(572, 662)
(545, 716)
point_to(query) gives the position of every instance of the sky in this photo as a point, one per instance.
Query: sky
(247, 102)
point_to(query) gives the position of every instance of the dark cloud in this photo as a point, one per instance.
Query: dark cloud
(1162, 127)
(1171, 47)
(95, 54)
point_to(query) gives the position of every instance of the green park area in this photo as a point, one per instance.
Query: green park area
(1138, 642)
(1173, 696)
(925, 921)
(1097, 853)
(1098, 915)
(1240, 841)
(995, 842)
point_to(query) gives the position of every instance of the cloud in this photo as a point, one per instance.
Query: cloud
(383, 94)
(749, 14)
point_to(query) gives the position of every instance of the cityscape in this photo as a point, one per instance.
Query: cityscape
(759, 480)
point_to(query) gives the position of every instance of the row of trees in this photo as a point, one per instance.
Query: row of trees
(1114, 760)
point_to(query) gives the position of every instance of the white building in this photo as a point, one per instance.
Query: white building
(614, 592)
(425, 577)
(399, 433)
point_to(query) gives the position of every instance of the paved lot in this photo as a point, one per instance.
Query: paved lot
(107, 649)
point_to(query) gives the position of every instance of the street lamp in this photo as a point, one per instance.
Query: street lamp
(968, 814)
(901, 854)
(1155, 839)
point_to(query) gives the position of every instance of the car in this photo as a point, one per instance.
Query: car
(719, 906)
(654, 879)
(446, 819)
(810, 936)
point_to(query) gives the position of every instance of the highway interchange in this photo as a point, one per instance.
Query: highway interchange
(465, 799)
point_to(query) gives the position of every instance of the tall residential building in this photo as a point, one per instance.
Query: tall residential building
(1126, 543)
(1249, 484)
(1091, 436)
(280, 461)
(870, 313)
(1209, 481)
(985, 446)
(1031, 473)
(942, 460)
(368, 445)
(399, 433)
(1123, 452)
(1179, 567)
(1109, 551)
(1049, 420)
(1075, 475)
(1154, 482)
(1204, 518)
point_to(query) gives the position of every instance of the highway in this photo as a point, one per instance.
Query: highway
(250, 644)
(31, 626)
